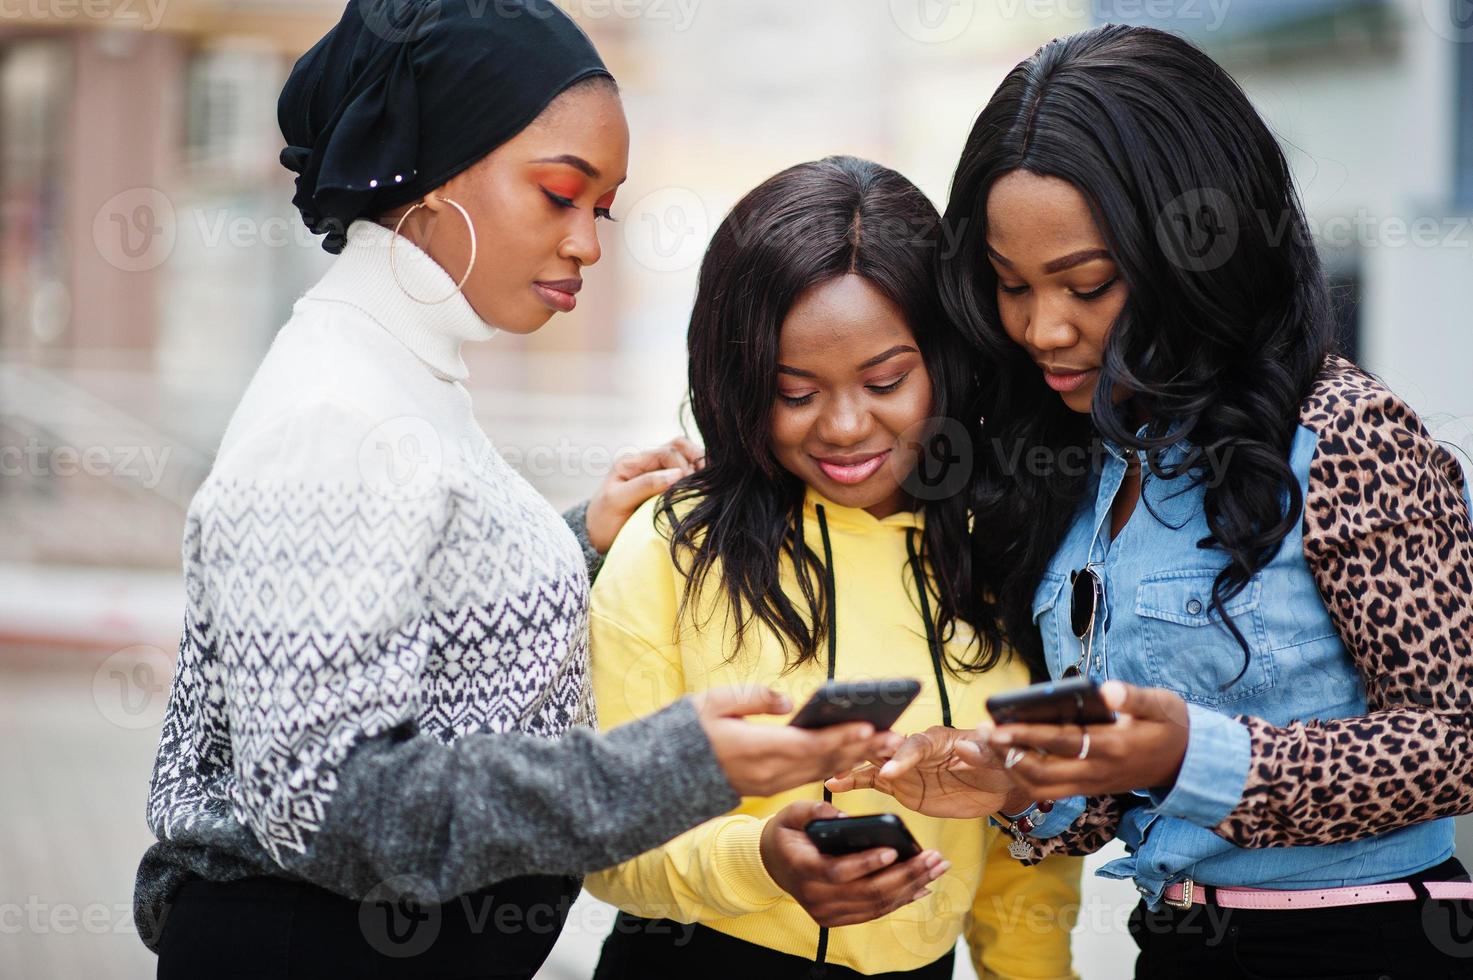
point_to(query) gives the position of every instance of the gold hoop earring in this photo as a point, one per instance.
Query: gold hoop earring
(393, 270)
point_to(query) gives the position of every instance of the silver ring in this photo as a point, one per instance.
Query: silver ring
(1015, 755)
(1084, 747)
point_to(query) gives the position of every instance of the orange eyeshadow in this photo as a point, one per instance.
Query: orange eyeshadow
(563, 185)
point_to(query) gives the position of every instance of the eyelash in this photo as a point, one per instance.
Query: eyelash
(564, 202)
(1093, 294)
(877, 389)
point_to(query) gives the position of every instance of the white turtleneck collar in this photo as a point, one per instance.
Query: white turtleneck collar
(360, 277)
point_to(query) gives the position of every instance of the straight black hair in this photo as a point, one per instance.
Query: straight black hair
(808, 225)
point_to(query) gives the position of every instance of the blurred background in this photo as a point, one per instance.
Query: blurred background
(149, 252)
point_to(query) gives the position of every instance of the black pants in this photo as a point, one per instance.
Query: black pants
(274, 929)
(1416, 940)
(657, 949)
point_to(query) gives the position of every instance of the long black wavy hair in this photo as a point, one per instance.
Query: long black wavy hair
(808, 225)
(1226, 324)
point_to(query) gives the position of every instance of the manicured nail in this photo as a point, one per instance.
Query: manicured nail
(888, 856)
(940, 870)
(1002, 738)
(921, 894)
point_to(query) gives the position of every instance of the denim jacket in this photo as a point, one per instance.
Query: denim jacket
(1156, 630)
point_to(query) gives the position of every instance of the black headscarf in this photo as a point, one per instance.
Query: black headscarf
(402, 95)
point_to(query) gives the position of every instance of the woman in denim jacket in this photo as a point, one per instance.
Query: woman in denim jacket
(1183, 492)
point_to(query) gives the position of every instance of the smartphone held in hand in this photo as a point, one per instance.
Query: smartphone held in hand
(849, 835)
(1075, 701)
(880, 703)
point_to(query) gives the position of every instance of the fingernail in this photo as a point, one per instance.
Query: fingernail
(888, 856)
(921, 894)
(888, 769)
(933, 858)
(1001, 738)
(940, 870)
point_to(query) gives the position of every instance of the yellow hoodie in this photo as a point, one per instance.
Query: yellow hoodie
(1016, 919)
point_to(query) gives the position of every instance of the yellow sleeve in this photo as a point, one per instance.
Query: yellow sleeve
(714, 870)
(1022, 916)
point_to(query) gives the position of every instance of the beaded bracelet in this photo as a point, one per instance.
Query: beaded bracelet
(1022, 848)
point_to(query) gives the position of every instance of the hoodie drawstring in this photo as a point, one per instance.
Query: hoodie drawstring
(918, 572)
(831, 601)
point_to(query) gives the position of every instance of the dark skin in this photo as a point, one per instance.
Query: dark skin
(1059, 294)
(851, 383)
(540, 197)
(535, 203)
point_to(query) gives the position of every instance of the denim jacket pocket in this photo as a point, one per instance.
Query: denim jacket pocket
(1048, 619)
(1189, 650)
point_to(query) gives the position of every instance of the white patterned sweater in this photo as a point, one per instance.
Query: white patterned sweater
(371, 593)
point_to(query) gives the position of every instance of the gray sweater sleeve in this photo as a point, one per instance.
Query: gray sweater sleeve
(577, 518)
(493, 807)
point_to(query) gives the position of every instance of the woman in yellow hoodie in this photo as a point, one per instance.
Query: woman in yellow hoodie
(826, 537)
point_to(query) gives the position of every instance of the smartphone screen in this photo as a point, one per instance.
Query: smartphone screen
(850, 835)
(881, 703)
(1076, 701)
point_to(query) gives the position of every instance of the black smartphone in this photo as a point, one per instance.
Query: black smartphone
(1076, 701)
(878, 702)
(849, 835)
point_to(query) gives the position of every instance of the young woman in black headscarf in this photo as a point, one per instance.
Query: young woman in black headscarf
(376, 759)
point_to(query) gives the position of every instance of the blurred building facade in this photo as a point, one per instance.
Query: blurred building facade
(149, 253)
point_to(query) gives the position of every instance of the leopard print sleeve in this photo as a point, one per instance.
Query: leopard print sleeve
(1388, 540)
(1090, 831)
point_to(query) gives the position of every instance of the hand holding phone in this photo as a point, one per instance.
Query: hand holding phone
(1048, 731)
(840, 890)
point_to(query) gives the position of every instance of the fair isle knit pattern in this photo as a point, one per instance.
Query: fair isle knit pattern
(360, 562)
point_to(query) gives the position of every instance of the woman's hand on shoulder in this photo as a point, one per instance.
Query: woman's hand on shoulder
(634, 479)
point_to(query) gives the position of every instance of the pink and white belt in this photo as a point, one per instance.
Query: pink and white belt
(1189, 892)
